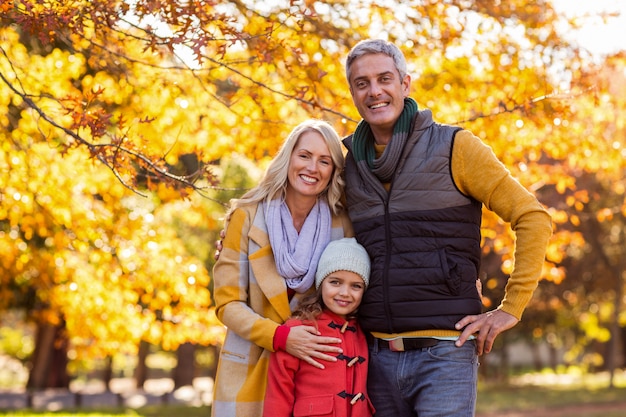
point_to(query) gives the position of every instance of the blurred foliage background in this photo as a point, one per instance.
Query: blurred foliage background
(128, 126)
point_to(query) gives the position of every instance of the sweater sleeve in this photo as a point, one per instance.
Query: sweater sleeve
(478, 173)
(280, 393)
(280, 337)
(232, 284)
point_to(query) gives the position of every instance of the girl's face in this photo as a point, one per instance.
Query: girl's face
(342, 292)
(310, 166)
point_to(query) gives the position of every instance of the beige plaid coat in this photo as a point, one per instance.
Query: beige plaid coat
(251, 300)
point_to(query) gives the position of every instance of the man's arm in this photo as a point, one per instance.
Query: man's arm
(478, 173)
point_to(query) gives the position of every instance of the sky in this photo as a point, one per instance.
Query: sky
(598, 36)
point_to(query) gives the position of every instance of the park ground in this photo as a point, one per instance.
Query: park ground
(546, 394)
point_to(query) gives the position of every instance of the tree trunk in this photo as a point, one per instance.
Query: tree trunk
(505, 365)
(554, 357)
(49, 361)
(536, 353)
(107, 375)
(216, 354)
(614, 349)
(141, 371)
(616, 268)
(185, 369)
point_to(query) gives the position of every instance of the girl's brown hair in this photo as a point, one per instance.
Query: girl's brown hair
(310, 307)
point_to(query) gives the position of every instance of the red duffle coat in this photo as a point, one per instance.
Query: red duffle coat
(297, 389)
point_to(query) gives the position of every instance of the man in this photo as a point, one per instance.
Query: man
(415, 190)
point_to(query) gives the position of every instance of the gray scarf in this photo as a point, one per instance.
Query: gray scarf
(363, 143)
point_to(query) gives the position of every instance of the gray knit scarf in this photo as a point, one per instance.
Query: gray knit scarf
(297, 254)
(363, 143)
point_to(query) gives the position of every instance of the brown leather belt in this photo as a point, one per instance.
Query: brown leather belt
(401, 344)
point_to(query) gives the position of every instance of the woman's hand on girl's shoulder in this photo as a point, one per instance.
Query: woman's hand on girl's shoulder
(306, 343)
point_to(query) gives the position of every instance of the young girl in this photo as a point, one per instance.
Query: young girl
(295, 388)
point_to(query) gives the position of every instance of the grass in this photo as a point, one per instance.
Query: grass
(152, 411)
(538, 395)
(511, 398)
(492, 400)
(550, 391)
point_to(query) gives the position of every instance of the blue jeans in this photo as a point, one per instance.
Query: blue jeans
(438, 381)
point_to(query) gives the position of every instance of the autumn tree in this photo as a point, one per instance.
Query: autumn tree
(591, 206)
(116, 114)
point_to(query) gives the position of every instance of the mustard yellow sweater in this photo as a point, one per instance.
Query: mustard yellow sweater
(478, 173)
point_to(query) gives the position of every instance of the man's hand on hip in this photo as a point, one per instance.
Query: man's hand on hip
(486, 326)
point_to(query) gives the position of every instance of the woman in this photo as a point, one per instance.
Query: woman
(275, 235)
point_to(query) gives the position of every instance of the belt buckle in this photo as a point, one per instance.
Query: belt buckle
(397, 344)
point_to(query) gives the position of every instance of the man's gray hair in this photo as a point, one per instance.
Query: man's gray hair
(377, 46)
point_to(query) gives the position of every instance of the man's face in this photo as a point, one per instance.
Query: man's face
(378, 93)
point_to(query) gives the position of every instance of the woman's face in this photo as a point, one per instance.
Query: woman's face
(310, 166)
(342, 292)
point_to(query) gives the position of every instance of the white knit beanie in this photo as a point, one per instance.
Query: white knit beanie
(343, 255)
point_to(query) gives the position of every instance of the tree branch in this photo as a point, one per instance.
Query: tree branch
(186, 181)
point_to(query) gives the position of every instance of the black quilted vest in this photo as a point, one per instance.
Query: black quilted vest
(423, 236)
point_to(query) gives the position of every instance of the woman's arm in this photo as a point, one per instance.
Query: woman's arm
(232, 284)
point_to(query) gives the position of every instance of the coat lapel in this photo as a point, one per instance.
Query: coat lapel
(263, 267)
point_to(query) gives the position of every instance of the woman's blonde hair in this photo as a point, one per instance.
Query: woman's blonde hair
(274, 183)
